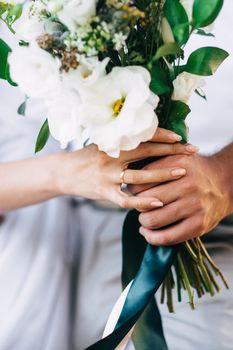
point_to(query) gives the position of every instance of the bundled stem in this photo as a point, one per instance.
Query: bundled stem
(195, 273)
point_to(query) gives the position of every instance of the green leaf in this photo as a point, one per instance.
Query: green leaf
(160, 81)
(205, 61)
(8, 77)
(168, 50)
(42, 137)
(4, 51)
(177, 115)
(22, 108)
(178, 20)
(205, 12)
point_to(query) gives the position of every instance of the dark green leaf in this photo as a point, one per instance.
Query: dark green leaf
(178, 113)
(205, 12)
(42, 137)
(168, 50)
(4, 51)
(160, 81)
(8, 77)
(178, 20)
(205, 61)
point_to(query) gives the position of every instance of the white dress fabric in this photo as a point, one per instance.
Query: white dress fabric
(34, 254)
(210, 326)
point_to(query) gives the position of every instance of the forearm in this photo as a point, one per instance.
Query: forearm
(27, 182)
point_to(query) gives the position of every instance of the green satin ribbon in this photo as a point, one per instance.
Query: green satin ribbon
(148, 266)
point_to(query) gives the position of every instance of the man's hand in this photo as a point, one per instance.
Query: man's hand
(194, 204)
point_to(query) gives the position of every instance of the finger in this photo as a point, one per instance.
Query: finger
(149, 149)
(127, 202)
(167, 192)
(166, 136)
(181, 232)
(138, 177)
(165, 216)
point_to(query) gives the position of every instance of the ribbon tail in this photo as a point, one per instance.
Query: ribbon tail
(154, 266)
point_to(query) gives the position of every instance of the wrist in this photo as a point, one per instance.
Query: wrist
(57, 176)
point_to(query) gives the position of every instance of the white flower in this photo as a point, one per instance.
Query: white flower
(29, 26)
(184, 86)
(89, 71)
(119, 40)
(73, 12)
(63, 117)
(118, 110)
(188, 6)
(35, 71)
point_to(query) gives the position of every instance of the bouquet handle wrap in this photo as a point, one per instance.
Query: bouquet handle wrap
(153, 264)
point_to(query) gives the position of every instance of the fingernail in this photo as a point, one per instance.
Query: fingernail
(192, 149)
(178, 172)
(157, 204)
(174, 137)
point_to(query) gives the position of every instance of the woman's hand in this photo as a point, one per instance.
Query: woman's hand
(93, 174)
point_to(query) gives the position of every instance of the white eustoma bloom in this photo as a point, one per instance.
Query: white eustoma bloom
(119, 110)
(35, 71)
(29, 26)
(63, 117)
(89, 71)
(73, 12)
(188, 6)
(184, 86)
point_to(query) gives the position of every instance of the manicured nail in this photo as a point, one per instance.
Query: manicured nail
(178, 172)
(156, 204)
(174, 137)
(192, 149)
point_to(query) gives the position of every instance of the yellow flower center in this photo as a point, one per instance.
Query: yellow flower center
(117, 106)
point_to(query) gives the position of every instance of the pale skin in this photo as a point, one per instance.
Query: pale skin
(192, 205)
(89, 173)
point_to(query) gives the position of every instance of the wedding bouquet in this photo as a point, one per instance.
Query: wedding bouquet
(109, 72)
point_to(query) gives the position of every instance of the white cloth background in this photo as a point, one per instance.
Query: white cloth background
(34, 254)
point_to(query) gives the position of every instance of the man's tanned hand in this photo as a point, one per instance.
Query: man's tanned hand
(194, 204)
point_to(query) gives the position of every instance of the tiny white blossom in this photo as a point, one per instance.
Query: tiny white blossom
(119, 41)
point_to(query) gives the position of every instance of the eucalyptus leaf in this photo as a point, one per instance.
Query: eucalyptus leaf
(205, 61)
(22, 108)
(205, 12)
(168, 50)
(42, 137)
(178, 20)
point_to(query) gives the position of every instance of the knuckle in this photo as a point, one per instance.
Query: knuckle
(146, 220)
(165, 240)
(150, 239)
(124, 203)
(184, 161)
(200, 224)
